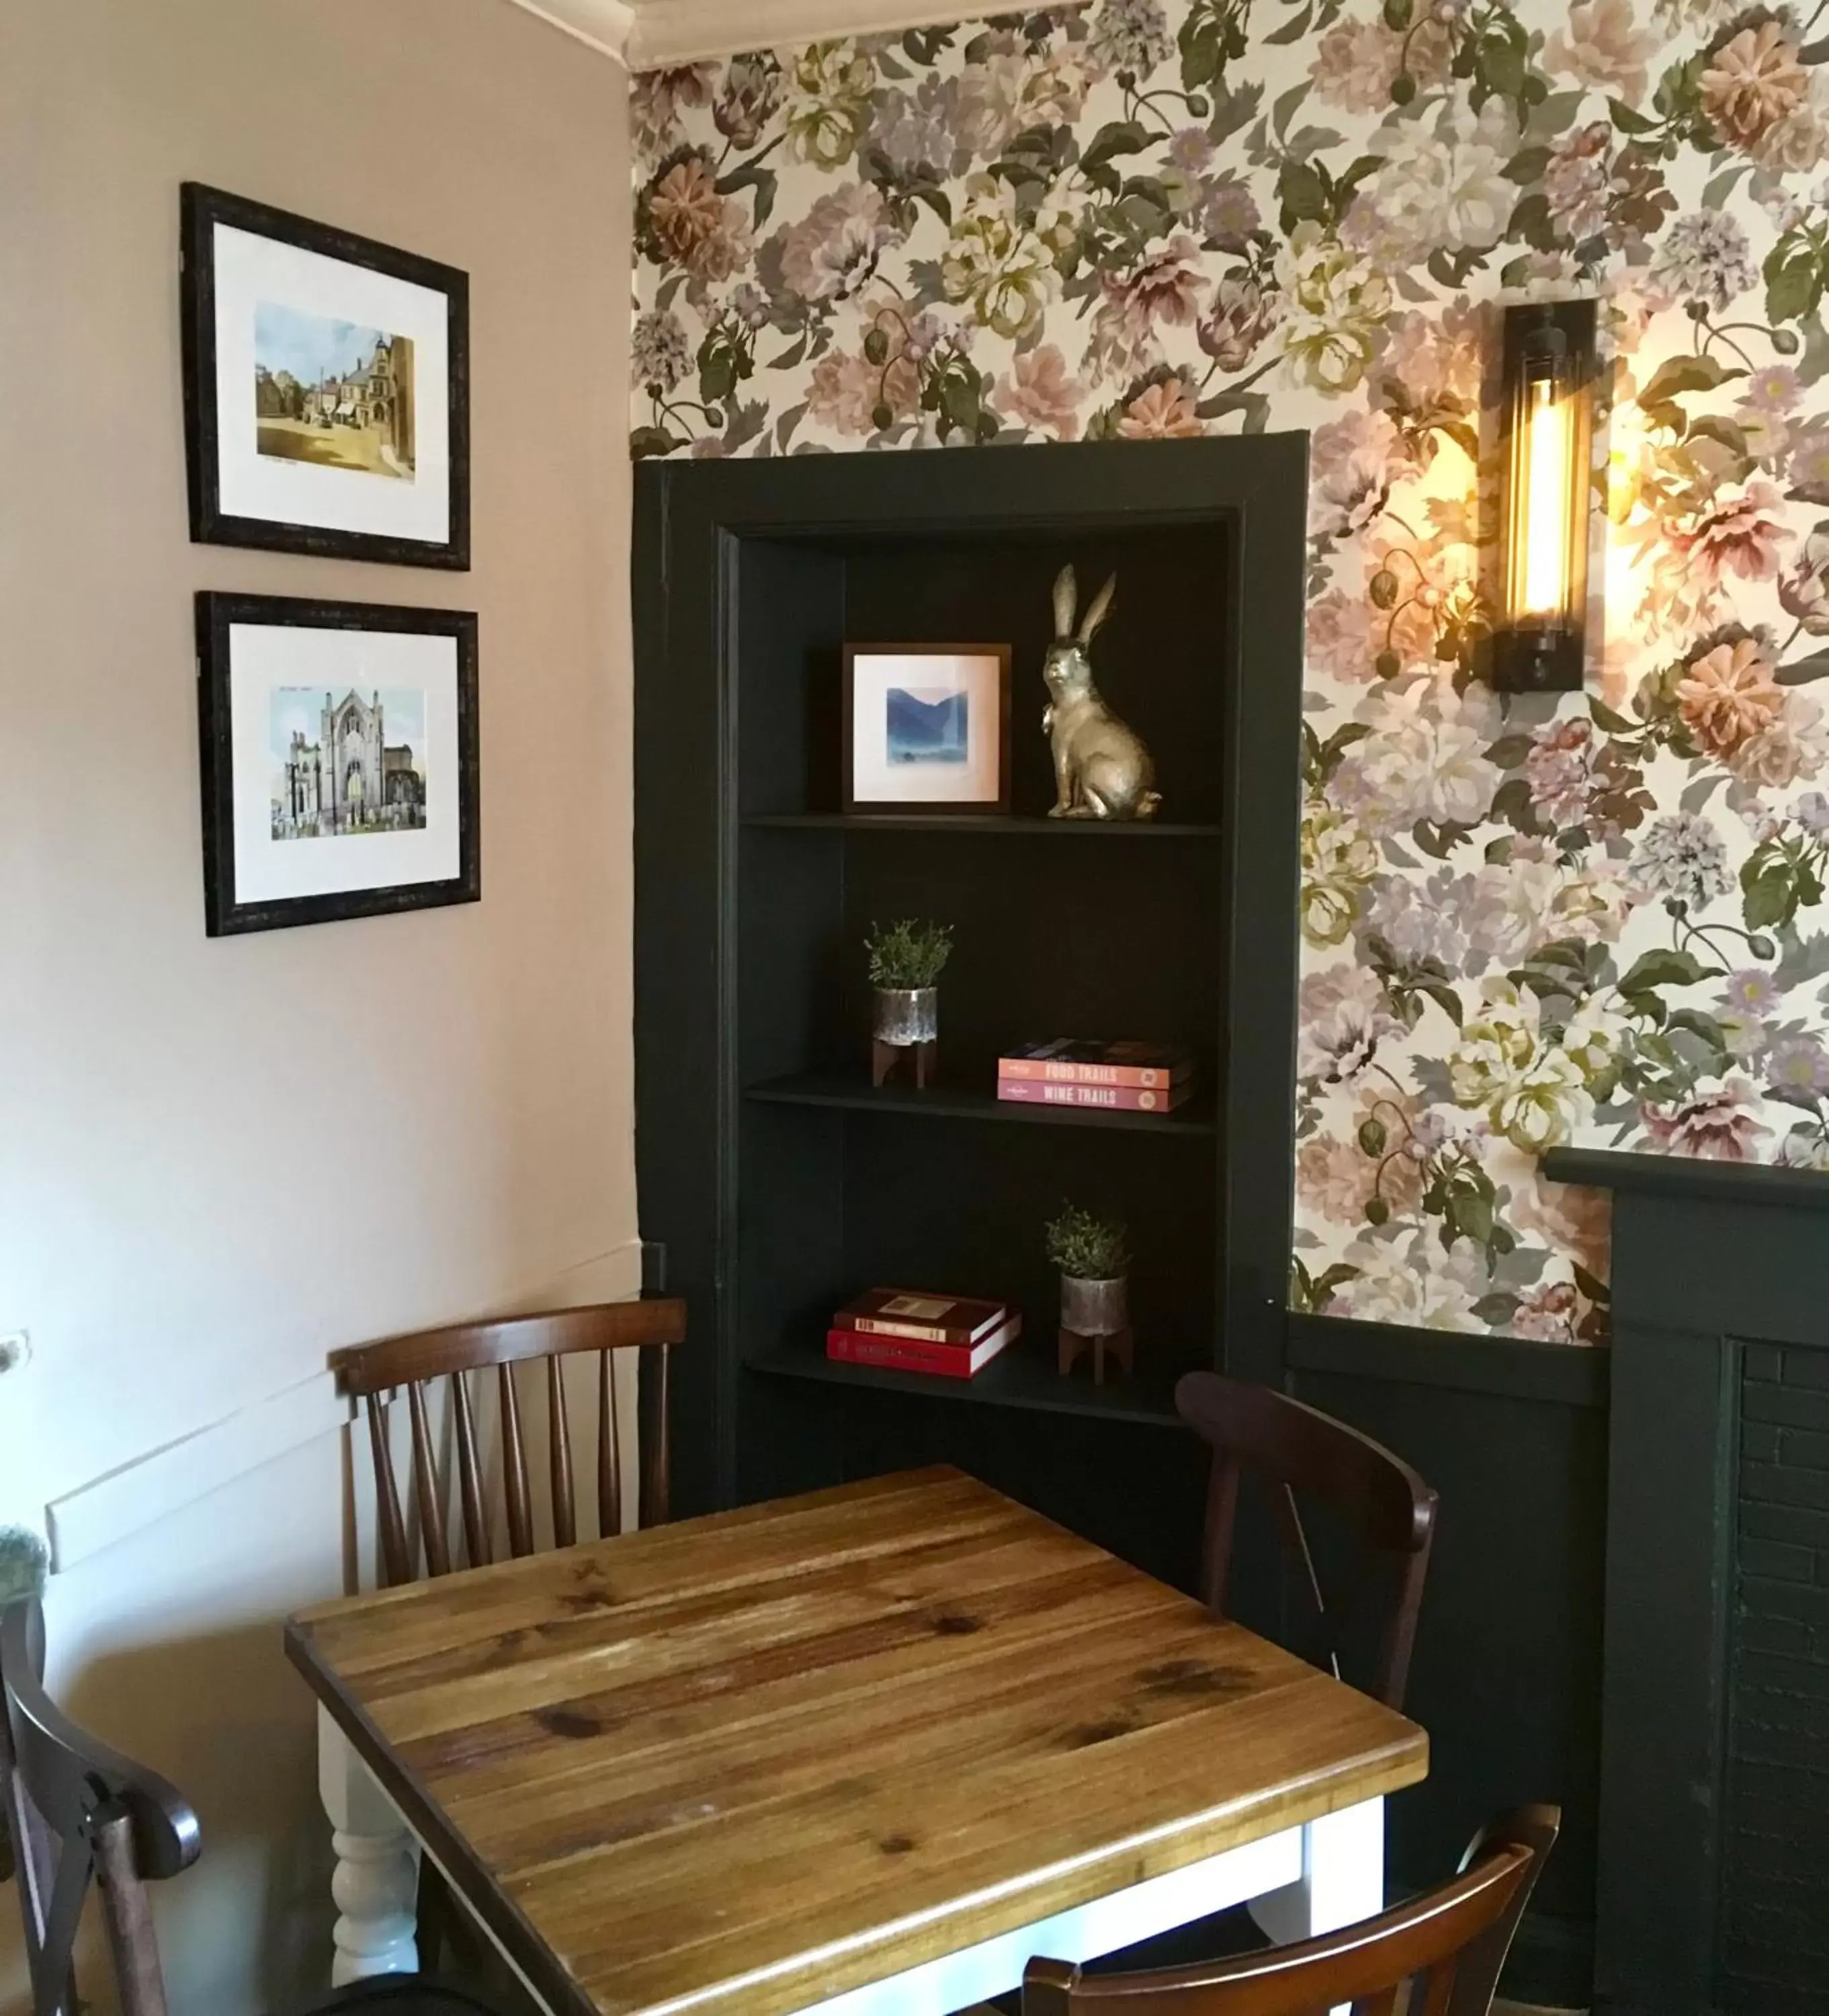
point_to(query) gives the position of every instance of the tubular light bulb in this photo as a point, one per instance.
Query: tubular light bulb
(1546, 501)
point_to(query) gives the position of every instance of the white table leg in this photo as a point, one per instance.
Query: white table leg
(375, 1881)
(1342, 1879)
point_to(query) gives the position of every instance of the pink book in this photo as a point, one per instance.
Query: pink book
(1106, 1098)
(1147, 1067)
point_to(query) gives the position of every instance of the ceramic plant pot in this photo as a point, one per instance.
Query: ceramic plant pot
(1095, 1308)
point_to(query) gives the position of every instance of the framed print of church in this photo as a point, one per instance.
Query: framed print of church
(349, 723)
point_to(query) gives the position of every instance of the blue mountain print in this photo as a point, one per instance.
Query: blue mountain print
(927, 726)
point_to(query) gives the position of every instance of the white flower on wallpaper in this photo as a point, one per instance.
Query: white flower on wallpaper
(1599, 917)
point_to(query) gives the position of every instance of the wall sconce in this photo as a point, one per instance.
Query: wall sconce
(1548, 409)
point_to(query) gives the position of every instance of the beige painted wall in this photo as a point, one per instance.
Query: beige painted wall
(218, 1160)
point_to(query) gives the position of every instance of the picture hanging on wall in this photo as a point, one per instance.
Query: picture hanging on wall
(327, 388)
(339, 760)
(927, 728)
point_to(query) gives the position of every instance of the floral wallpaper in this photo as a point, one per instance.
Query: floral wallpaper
(1597, 916)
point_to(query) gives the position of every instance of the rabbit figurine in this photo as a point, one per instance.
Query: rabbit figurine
(1101, 769)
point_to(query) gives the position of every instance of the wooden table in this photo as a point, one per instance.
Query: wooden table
(863, 1752)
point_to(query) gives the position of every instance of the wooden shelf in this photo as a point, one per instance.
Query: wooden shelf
(1021, 1377)
(945, 1103)
(936, 823)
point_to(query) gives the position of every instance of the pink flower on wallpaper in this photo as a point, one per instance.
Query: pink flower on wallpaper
(1742, 534)
(1727, 695)
(1160, 413)
(1603, 47)
(1715, 1126)
(1344, 635)
(1037, 392)
(1353, 461)
(833, 251)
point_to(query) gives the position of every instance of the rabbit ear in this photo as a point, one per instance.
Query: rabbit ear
(1101, 608)
(1066, 594)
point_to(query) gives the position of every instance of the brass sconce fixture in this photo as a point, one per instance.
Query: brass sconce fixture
(1548, 409)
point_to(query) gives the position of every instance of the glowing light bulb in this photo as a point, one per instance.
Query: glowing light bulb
(1548, 445)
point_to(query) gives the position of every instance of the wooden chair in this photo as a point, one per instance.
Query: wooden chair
(374, 1371)
(1439, 1955)
(81, 1814)
(1296, 1449)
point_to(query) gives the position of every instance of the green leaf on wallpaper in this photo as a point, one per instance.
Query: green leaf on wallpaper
(761, 180)
(645, 441)
(1301, 193)
(1119, 136)
(1704, 1027)
(1627, 121)
(1666, 968)
(1686, 374)
(1720, 188)
(936, 200)
(1801, 672)
(1284, 109)
(1292, 31)
(1609, 722)
(1528, 166)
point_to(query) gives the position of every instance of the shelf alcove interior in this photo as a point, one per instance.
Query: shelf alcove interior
(1060, 928)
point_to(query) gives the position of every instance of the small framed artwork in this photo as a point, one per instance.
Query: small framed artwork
(927, 728)
(327, 388)
(339, 760)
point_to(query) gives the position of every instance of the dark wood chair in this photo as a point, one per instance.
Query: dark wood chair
(1297, 1450)
(653, 1326)
(80, 1816)
(1439, 1955)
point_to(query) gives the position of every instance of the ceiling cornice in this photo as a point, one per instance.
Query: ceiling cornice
(645, 35)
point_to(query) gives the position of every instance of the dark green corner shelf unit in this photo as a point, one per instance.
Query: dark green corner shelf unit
(778, 1179)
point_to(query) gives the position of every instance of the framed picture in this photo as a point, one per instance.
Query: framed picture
(339, 760)
(927, 728)
(326, 389)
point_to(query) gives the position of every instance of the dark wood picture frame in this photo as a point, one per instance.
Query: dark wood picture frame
(969, 807)
(202, 209)
(224, 915)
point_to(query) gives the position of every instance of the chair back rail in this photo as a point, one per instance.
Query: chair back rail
(652, 1327)
(1446, 1948)
(1296, 1449)
(80, 1814)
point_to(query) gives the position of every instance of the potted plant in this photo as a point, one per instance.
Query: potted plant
(1094, 1255)
(906, 960)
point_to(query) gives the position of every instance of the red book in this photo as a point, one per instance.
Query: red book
(926, 1319)
(902, 1354)
(1146, 1067)
(1097, 1098)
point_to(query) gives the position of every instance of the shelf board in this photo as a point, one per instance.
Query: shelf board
(832, 1089)
(978, 822)
(1023, 1376)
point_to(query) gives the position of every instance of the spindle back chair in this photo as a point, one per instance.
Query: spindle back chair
(373, 1371)
(80, 1814)
(1295, 1449)
(1439, 1955)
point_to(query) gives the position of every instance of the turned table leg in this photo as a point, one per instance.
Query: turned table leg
(376, 1876)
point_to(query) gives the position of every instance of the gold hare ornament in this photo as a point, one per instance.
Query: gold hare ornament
(1101, 769)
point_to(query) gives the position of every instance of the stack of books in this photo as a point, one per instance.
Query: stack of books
(1120, 1077)
(954, 1336)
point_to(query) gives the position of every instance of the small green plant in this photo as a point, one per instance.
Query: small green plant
(1086, 1246)
(911, 953)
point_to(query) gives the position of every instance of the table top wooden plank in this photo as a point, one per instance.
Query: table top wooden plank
(741, 1763)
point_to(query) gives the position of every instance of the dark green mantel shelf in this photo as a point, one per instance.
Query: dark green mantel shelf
(1022, 1377)
(833, 1088)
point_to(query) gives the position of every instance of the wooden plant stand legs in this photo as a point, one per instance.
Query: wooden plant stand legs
(1119, 1343)
(884, 1057)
